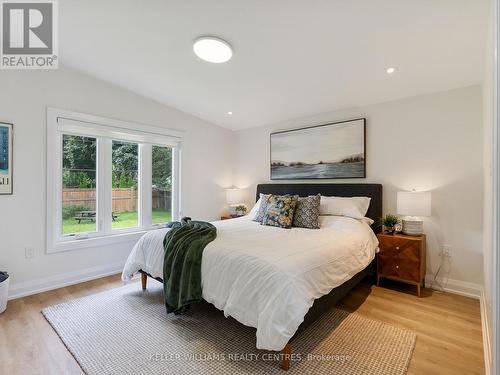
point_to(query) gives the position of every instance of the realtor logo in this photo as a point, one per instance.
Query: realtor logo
(29, 34)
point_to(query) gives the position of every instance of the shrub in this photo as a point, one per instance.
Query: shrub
(73, 179)
(123, 181)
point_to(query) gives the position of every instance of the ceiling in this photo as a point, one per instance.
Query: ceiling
(291, 58)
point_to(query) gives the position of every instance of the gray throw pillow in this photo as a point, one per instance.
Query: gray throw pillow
(259, 216)
(307, 212)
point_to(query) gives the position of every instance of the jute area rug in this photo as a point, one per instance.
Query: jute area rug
(127, 331)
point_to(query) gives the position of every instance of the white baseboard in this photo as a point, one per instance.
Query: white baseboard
(461, 288)
(27, 288)
(485, 327)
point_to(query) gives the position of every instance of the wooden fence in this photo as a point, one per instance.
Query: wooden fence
(162, 199)
(123, 199)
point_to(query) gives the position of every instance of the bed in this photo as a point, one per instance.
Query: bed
(278, 280)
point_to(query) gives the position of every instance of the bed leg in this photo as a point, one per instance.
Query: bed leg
(144, 280)
(286, 353)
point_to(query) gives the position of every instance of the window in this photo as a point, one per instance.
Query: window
(124, 176)
(79, 179)
(161, 184)
(108, 181)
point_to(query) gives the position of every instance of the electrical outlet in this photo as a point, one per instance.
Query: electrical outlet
(29, 252)
(446, 251)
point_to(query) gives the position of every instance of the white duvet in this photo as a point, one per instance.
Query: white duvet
(267, 277)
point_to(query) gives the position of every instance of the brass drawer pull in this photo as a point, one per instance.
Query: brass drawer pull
(397, 247)
(397, 267)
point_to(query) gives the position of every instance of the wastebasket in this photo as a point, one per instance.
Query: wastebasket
(4, 290)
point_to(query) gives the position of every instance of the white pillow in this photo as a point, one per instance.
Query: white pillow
(355, 207)
(254, 209)
(331, 221)
(367, 220)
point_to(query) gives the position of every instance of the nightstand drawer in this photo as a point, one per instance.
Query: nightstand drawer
(399, 267)
(388, 264)
(396, 245)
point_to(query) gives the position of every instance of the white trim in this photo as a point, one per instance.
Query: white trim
(145, 188)
(176, 183)
(93, 242)
(114, 123)
(27, 288)
(53, 184)
(495, 269)
(485, 328)
(462, 288)
(77, 127)
(104, 180)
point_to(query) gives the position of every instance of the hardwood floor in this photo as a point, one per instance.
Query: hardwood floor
(448, 328)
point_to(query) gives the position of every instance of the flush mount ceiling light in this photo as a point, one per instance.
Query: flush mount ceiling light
(212, 49)
(390, 70)
(230, 113)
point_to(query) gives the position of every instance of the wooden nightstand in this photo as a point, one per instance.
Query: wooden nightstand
(402, 258)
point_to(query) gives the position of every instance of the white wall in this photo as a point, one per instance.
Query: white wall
(206, 169)
(488, 158)
(431, 142)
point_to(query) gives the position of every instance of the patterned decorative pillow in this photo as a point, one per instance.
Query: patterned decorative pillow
(280, 209)
(307, 212)
(259, 216)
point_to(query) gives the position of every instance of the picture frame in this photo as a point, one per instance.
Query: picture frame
(6, 158)
(335, 150)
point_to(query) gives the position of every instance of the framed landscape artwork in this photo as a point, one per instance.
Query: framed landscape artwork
(5, 158)
(328, 151)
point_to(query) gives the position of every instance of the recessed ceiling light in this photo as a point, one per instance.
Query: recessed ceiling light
(212, 49)
(390, 70)
(230, 113)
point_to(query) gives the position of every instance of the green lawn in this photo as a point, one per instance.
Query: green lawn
(161, 216)
(124, 220)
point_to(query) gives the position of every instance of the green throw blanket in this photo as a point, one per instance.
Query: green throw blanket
(184, 245)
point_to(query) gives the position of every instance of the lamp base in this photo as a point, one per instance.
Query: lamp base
(412, 226)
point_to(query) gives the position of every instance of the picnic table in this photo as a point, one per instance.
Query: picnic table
(90, 216)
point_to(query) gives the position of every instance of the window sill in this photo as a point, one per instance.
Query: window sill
(96, 241)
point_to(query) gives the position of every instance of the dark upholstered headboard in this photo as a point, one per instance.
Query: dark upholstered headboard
(374, 191)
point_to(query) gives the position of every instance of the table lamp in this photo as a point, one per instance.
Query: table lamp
(413, 205)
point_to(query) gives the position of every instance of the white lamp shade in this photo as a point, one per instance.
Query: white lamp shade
(235, 196)
(414, 203)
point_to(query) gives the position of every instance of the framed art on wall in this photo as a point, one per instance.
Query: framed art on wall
(5, 158)
(328, 151)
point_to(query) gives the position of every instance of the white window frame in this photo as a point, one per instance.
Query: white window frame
(105, 130)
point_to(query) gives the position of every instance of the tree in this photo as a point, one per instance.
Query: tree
(79, 164)
(123, 181)
(162, 168)
(79, 161)
(125, 164)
